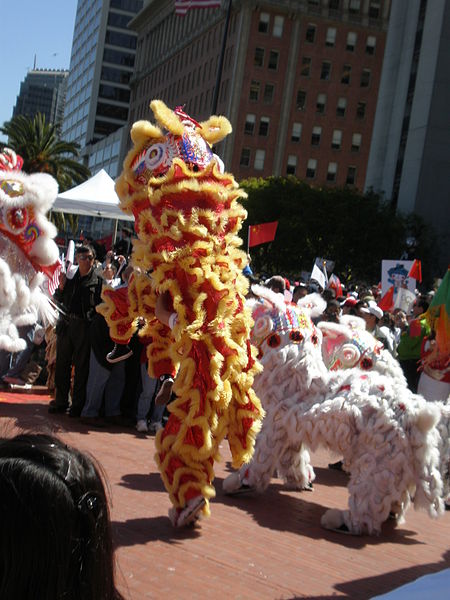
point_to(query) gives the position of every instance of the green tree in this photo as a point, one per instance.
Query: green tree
(42, 150)
(355, 230)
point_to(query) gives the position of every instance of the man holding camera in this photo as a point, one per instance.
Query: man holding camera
(78, 296)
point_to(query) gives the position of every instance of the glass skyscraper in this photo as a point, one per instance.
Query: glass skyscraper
(98, 92)
(42, 91)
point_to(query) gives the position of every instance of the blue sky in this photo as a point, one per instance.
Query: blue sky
(44, 29)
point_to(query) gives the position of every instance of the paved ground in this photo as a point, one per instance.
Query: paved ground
(267, 547)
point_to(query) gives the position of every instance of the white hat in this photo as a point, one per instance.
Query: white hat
(372, 309)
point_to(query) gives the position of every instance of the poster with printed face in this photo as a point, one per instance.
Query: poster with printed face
(395, 273)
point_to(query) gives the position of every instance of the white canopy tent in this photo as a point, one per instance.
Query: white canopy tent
(96, 197)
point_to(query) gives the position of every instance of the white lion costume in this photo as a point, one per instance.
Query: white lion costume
(387, 436)
(27, 250)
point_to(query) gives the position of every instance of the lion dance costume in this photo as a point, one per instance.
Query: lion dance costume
(27, 251)
(187, 218)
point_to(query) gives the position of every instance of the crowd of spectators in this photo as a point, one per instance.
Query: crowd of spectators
(89, 387)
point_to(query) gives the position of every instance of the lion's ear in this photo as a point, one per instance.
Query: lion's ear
(166, 117)
(215, 129)
(143, 130)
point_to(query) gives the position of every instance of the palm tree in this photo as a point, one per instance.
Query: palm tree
(38, 143)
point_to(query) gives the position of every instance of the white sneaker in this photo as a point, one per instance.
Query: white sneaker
(141, 426)
(234, 485)
(155, 427)
(189, 514)
(163, 396)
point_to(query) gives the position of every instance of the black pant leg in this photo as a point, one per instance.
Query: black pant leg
(82, 351)
(63, 367)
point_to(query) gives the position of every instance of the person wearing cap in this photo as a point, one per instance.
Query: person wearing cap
(348, 306)
(277, 284)
(372, 314)
(300, 291)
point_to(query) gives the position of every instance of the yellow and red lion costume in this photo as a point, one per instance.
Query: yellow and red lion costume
(187, 217)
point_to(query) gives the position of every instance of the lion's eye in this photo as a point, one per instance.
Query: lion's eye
(155, 156)
(12, 188)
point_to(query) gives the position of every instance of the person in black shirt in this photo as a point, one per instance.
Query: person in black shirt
(124, 245)
(78, 296)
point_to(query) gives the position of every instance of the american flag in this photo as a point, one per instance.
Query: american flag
(182, 6)
(53, 281)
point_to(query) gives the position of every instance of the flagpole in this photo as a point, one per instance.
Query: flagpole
(221, 59)
(248, 241)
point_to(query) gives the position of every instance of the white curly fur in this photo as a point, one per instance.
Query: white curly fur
(388, 436)
(21, 297)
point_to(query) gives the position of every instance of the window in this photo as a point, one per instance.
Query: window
(316, 135)
(321, 103)
(331, 173)
(263, 25)
(249, 126)
(361, 110)
(120, 39)
(354, 7)
(346, 72)
(356, 142)
(301, 100)
(370, 44)
(365, 78)
(351, 41)
(334, 4)
(264, 126)
(351, 176)
(245, 157)
(291, 164)
(111, 92)
(306, 66)
(259, 57)
(118, 20)
(269, 90)
(341, 107)
(296, 132)
(260, 155)
(374, 9)
(254, 90)
(273, 60)
(278, 23)
(326, 70)
(331, 36)
(336, 140)
(310, 33)
(311, 168)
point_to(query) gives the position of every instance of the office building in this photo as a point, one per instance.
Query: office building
(299, 84)
(98, 90)
(42, 91)
(410, 156)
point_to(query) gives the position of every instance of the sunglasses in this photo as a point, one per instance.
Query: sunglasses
(85, 257)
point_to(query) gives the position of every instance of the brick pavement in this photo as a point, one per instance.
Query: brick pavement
(268, 547)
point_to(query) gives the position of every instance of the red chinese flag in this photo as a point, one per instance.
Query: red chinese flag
(416, 271)
(261, 234)
(387, 301)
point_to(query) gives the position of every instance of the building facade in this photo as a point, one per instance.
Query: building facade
(98, 91)
(410, 155)
(43, 91)
(299, 84)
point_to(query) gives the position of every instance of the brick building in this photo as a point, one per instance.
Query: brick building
(299, 82)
